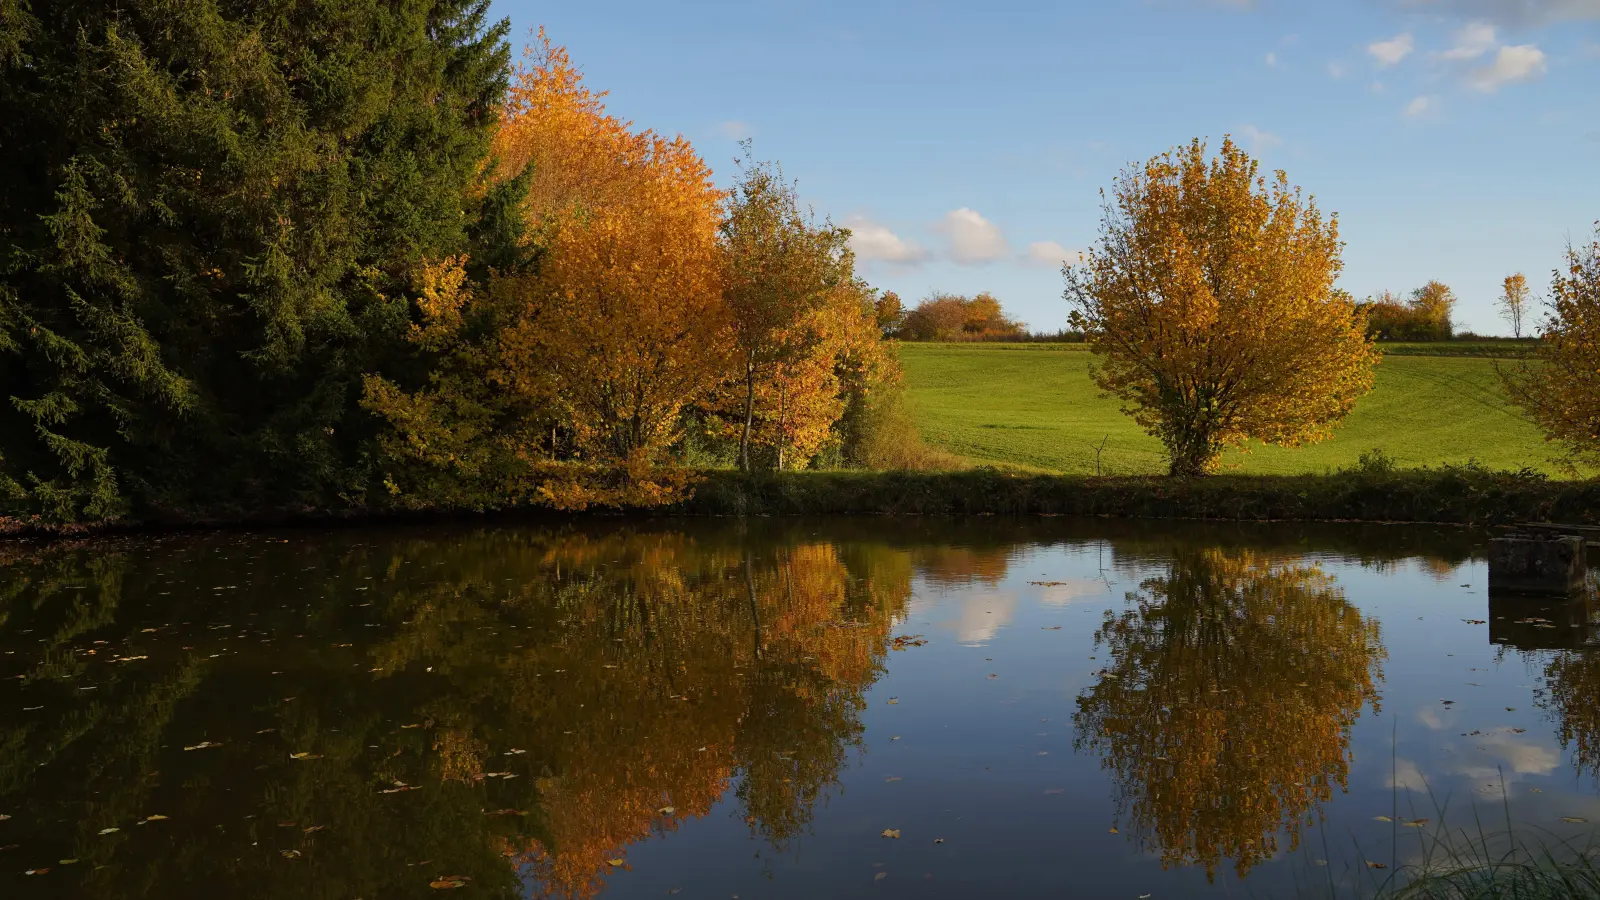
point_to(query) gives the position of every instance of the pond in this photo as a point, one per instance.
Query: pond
(779, 709)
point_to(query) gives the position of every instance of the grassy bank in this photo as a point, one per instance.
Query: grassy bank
(1455, 495)
(1032, 406)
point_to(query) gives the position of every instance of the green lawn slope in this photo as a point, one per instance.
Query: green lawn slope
(1034, 407)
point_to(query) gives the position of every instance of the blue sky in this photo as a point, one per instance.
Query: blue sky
(967, 142)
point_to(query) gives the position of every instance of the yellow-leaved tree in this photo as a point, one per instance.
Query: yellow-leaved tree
(1560, 388)
(1210, 304)
(790, 295)
(623, 323)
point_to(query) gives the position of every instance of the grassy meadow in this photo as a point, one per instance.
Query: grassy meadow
(1032, 406)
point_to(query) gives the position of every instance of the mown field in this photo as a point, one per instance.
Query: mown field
(1033, 406)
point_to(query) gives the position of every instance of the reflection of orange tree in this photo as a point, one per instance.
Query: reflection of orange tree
(963, 565)
(1225, 713)
(1572, 695)
(671, 667)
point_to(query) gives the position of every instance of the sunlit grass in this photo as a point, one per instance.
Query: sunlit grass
(1033, 407)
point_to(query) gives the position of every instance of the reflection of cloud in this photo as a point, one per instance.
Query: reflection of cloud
(1522, 757)
(1065, 593)
(1430, 717)
(980, 616)
(1407, 777)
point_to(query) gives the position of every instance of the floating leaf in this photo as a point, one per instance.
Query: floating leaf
(667, 810)
(304, 755)
(1414, 823)
(892, 833)
(155, 818)
(1382, 819)
(616, 863)
(893, 700)
(66, 862)
(204, 745)
(880, 876)
(447, 882)
(1573, 820)
(1376, 865)
(938, 840)
(37, 871)
(507, 812)
(290, 854)
(110, 830)
(1113, 830)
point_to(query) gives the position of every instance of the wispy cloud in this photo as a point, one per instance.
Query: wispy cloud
(970, 238)
(1421, 106)
(872, 242)
(1512, 13)
(1272, 60)
(1472, 41)
(1050, 254)
(735, 130)
(1523, 62)
(1390, 52)
(1260, 141)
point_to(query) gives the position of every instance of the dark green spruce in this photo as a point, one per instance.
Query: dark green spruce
(209, 211)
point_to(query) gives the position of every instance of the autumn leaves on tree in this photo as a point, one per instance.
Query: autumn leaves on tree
(1210, 303)
(652, 303)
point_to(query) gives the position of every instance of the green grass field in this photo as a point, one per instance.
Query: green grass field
(1033, 406)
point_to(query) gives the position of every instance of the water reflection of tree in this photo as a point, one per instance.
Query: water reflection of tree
(1571, 695)
(1224, 713)
(637, 672)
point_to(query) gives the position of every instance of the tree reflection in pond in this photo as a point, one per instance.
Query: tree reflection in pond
(515, 707)
(1224, 713)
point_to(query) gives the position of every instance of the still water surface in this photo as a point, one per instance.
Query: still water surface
(802, 709)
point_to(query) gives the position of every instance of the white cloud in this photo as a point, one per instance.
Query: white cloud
(1390, 52)
(1513, 13)
(1522, 62)
(1051, 254)
(734, 130)
(1260, 141)
(972, 239)
(1272, 60)
(1472, 41)
(1421, 106)
(876, 243)
(1072, 590)
(1336, 69)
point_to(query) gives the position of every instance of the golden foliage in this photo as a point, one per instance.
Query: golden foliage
(623, 323)
(795, 308)
(1514, 302)
(1224, 715)
(1560, 390)
(1210, 304)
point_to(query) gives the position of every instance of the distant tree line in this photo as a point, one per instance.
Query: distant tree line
(948, 317)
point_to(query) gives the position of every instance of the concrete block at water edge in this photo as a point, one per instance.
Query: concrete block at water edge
(1537, 565)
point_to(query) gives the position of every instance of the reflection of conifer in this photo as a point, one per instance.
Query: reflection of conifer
(1224, 713)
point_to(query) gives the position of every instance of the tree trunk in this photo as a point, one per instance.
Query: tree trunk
(749, 416)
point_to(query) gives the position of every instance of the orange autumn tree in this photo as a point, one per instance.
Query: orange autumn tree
(788, 292)
(1209, 301)
(623, 323)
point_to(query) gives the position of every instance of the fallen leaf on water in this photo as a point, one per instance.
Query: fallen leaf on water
(993, 675)
(37, 871)
(1511, 709)
(938, 840)
(65, 862)
(203, 745)
(1113, 830)
(1475, 621)
(397, 790)
(315, 828)
(110, 830)
(894, 737)
(1573, 820)
(413, 725)
(667, 810)
(1447, 702)
(616, 863)
(290, 854)
(892, 833)
(1376, 865)
(507, 812)
(1382, 819)
(880, 876)
(155, 818)
(893, 700)
(304, 755)
(266, 731)
(1414, 823)
(447, 882)
(515, 752)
